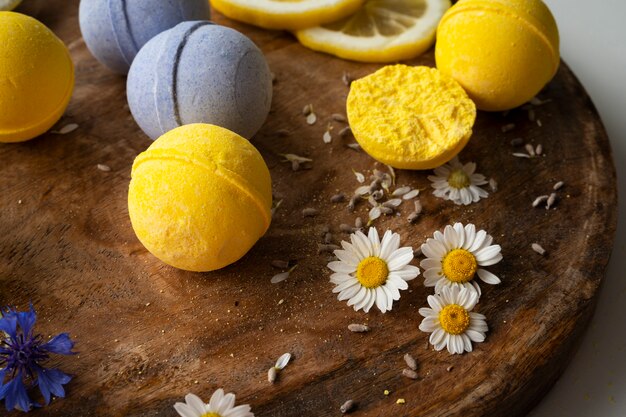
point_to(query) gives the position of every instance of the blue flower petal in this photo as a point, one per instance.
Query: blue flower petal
(8, 324)
(51, 381)
(26, 320)
(15, 396)
(61, 344)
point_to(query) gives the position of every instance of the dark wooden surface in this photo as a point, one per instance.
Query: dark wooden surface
(148, 334)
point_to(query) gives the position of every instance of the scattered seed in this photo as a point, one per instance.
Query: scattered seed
(551, 201)
(539, 200)
(358, 328)
(409, 373)
(362, 190)
(400, 401)
(538, 248)
(354, 146)
(418, 206)
(399, 192)
(295, 166)
(346, 78)
(311, 119)
(310, 212)
(280, 277)
(393, 203)
(283, 361)
(352, 204)
(387, 182)
(392, 172)
(327, 138)
(539, 149)
(372, 201)
(493, 185)
(558, 186)
(275, 208)
(346, 407)
(104, 168)
(375, 185)
(411, 194)
(280, 264)
(326, 248)
(508, 127)
(521, 155)
(530, 149)
(308, 109)
(339, 118)
(378, 194)
(536, 101)
(272, 373)
(517, 142)
(325, 229)
(374, 214)
(66, 129)
(346, 228)
(282, 133)
(410, 361)
(358, 223)
(328, 238)
(386, 210)
(345, 132)
(413, 217)
(531, 115)
(338, 198)
(359, 177)
(450, 368)
(539, 123)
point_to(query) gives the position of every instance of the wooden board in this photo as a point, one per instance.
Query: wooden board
(148, 334)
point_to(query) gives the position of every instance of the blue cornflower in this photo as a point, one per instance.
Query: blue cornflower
(22, 354)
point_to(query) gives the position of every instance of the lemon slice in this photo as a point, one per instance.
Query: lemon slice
(410, 117)
(287, 14)
(9, 4)
(381, 31)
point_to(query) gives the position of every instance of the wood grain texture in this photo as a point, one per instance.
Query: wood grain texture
(148, 334)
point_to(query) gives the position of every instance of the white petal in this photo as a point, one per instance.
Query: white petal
(429, 324)
(195, 402)
(227, 403)
(389, 296)
(442, 171)
(346, 284)
(434, 249)
(467, 343)
(475, 336)
(395, 292)
(451, 238)
(372, 235)
(466, 196)
(460, 233)
(488, 277)
(338, 278)
(239, 411)
(431, 276)
(427, 312)
(470, 235)
(399, 258)
(358, 297)
(391, 242)
(371, 301)
(478, 241)
(469, 298)
(283, 361)
(362, 244)
(398, 282)
(349, 292)
(435, 303)
(443, 343)
(185, 410)
(216, 399)
(364, 302)
(347, 257)
(491, 261)
(338, 266)
(469, 168)
(437, 336)
(430, 263)
(381, 299)
(407, 273)
(487, 254)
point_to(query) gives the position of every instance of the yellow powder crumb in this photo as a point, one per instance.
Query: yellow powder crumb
(400, 401)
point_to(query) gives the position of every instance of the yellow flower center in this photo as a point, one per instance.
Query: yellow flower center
(459, 265)
(210, 414)
(458, 179)
(372, 272)
(454, 319)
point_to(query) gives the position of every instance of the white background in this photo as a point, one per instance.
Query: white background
(593, 43)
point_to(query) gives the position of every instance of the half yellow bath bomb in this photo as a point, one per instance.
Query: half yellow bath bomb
(200, 197)
(410, 117)
(503, 52)
(36, 78)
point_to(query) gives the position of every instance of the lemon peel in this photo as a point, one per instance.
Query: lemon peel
(410, 117)
(286, 14)
(380, 31)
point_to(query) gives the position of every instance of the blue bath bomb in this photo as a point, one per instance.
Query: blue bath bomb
(115, 30)
(198, 72)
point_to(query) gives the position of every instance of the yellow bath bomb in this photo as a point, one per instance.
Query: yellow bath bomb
(503, 52)
(36, 78)
(410, 117)
(200, 197)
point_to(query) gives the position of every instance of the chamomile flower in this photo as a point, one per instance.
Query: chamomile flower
(372, 272)
(451, 321)
(454, 257)
(458, 182)
(220, 405)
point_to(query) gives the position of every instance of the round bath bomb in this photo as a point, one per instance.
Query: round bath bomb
(200, 197)
(36, 78)
(503, 52)
(198, 72)
(115, 30)
(9, 4)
